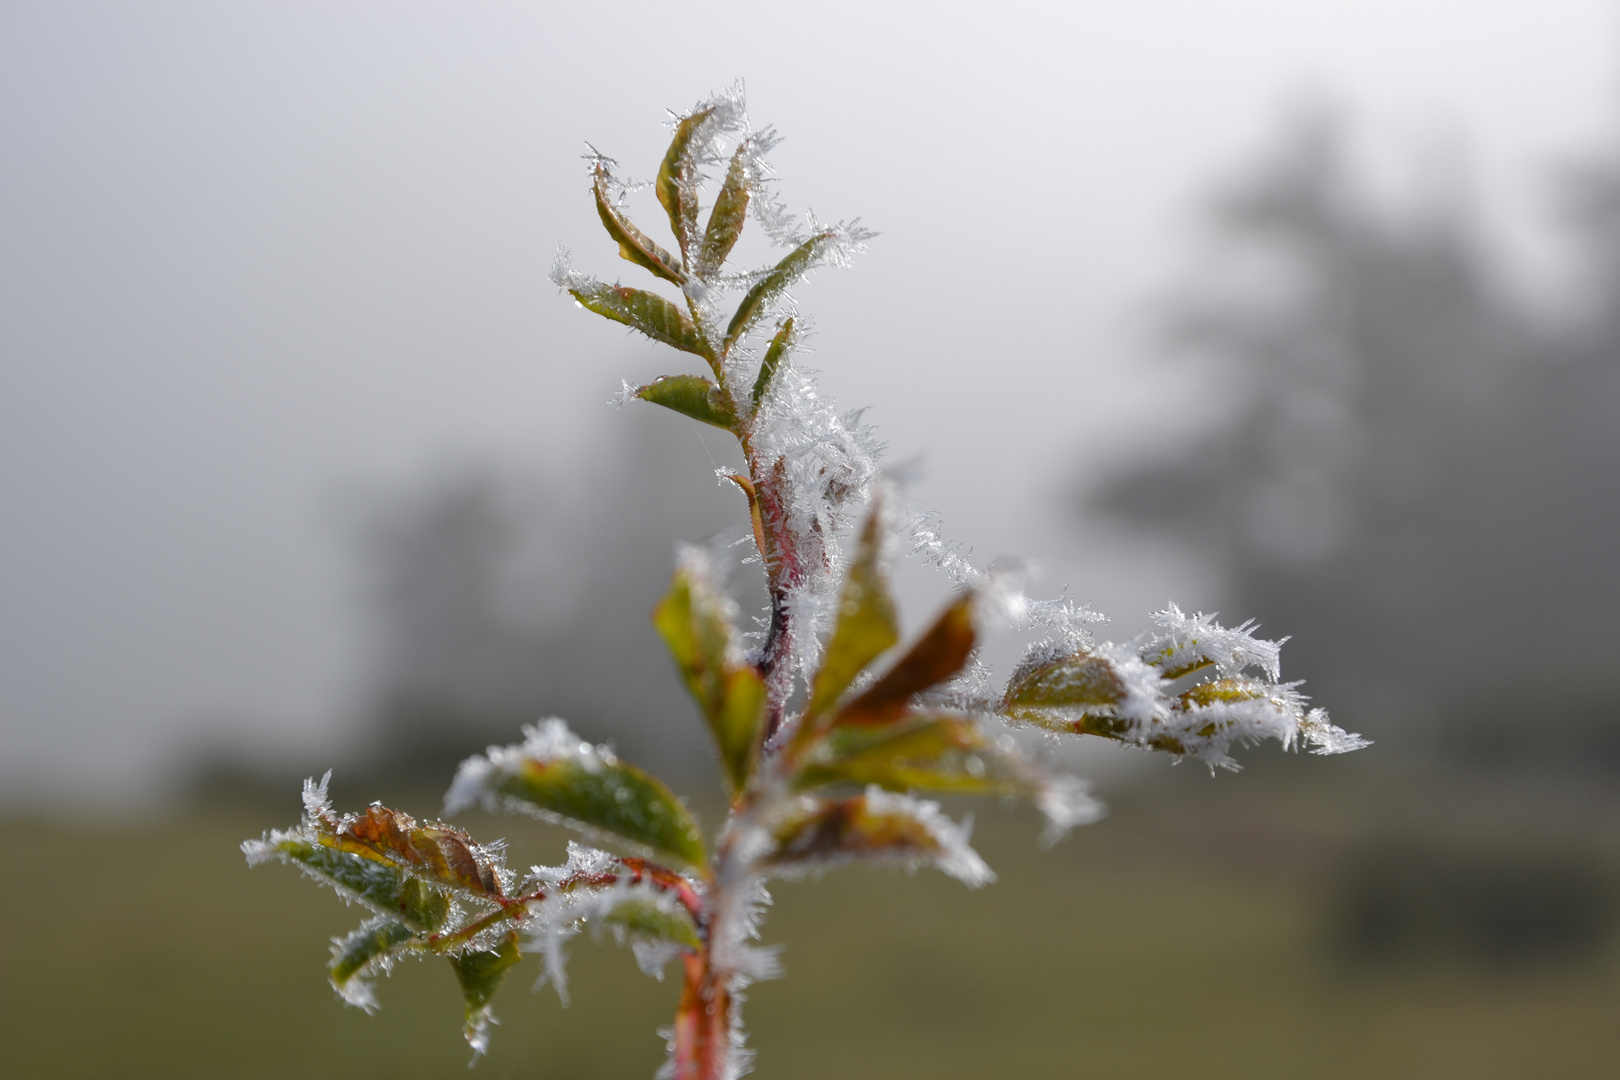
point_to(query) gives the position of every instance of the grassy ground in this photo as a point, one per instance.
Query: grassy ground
(1127, 951)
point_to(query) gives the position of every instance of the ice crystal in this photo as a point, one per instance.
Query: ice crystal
(1184, 644)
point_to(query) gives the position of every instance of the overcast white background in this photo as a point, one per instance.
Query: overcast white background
(256, 256)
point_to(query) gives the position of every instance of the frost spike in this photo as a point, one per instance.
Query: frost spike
(675, 184)
(938, 655)
(867, 625)
(773, 284)
(645, 311)
(727, 218)
(634, 245)
(691, 395)
(773, 359)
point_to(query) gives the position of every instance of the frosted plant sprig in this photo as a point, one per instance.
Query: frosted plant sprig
(826, 724)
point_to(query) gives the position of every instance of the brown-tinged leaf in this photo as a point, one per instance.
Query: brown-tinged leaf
(876, 827)
(727, 217)
(939, 654)
(694, 619)
(634, 245)
(774, 354)
(691, 395)
(647, 312)
(439, 854)
(677, 179)
(867, 625)
(774, 284)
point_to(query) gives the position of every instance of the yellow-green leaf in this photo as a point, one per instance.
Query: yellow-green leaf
(691, 395)
(780, 344)
(694, 619)
(1218, 691)
(866, 627)
(1078, 693)
(929, 753)
(634, 245)
(645, 311)
(676, 184)
(727, 217)
(773, 285)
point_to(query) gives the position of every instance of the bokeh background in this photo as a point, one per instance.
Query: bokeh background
(1306, 313)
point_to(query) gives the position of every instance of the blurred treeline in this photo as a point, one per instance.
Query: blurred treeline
(1400, 456)
(496, 595)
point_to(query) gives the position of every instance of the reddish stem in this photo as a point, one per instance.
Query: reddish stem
(702, 1023)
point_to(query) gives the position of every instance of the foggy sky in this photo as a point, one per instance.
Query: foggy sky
(255, 257)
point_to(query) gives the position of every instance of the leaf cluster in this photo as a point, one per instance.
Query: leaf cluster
(823, 762)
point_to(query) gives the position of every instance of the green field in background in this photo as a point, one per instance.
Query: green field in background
(154, 951)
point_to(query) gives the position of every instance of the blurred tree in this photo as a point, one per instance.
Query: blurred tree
(1413, 470)
(498, 597)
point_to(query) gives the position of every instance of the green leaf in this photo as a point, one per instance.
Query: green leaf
(780, 344)
(727, 217)
(644, 917)
(557, 777)
(938, 655)
(634, 245)
(694, 619)
(930, 753)
(691, 395)
(647, 312)
(480, 974)
(773, 284)
(1078, 693)
(366, 949)
(384, 889)
(677, 179)
(867, 625)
